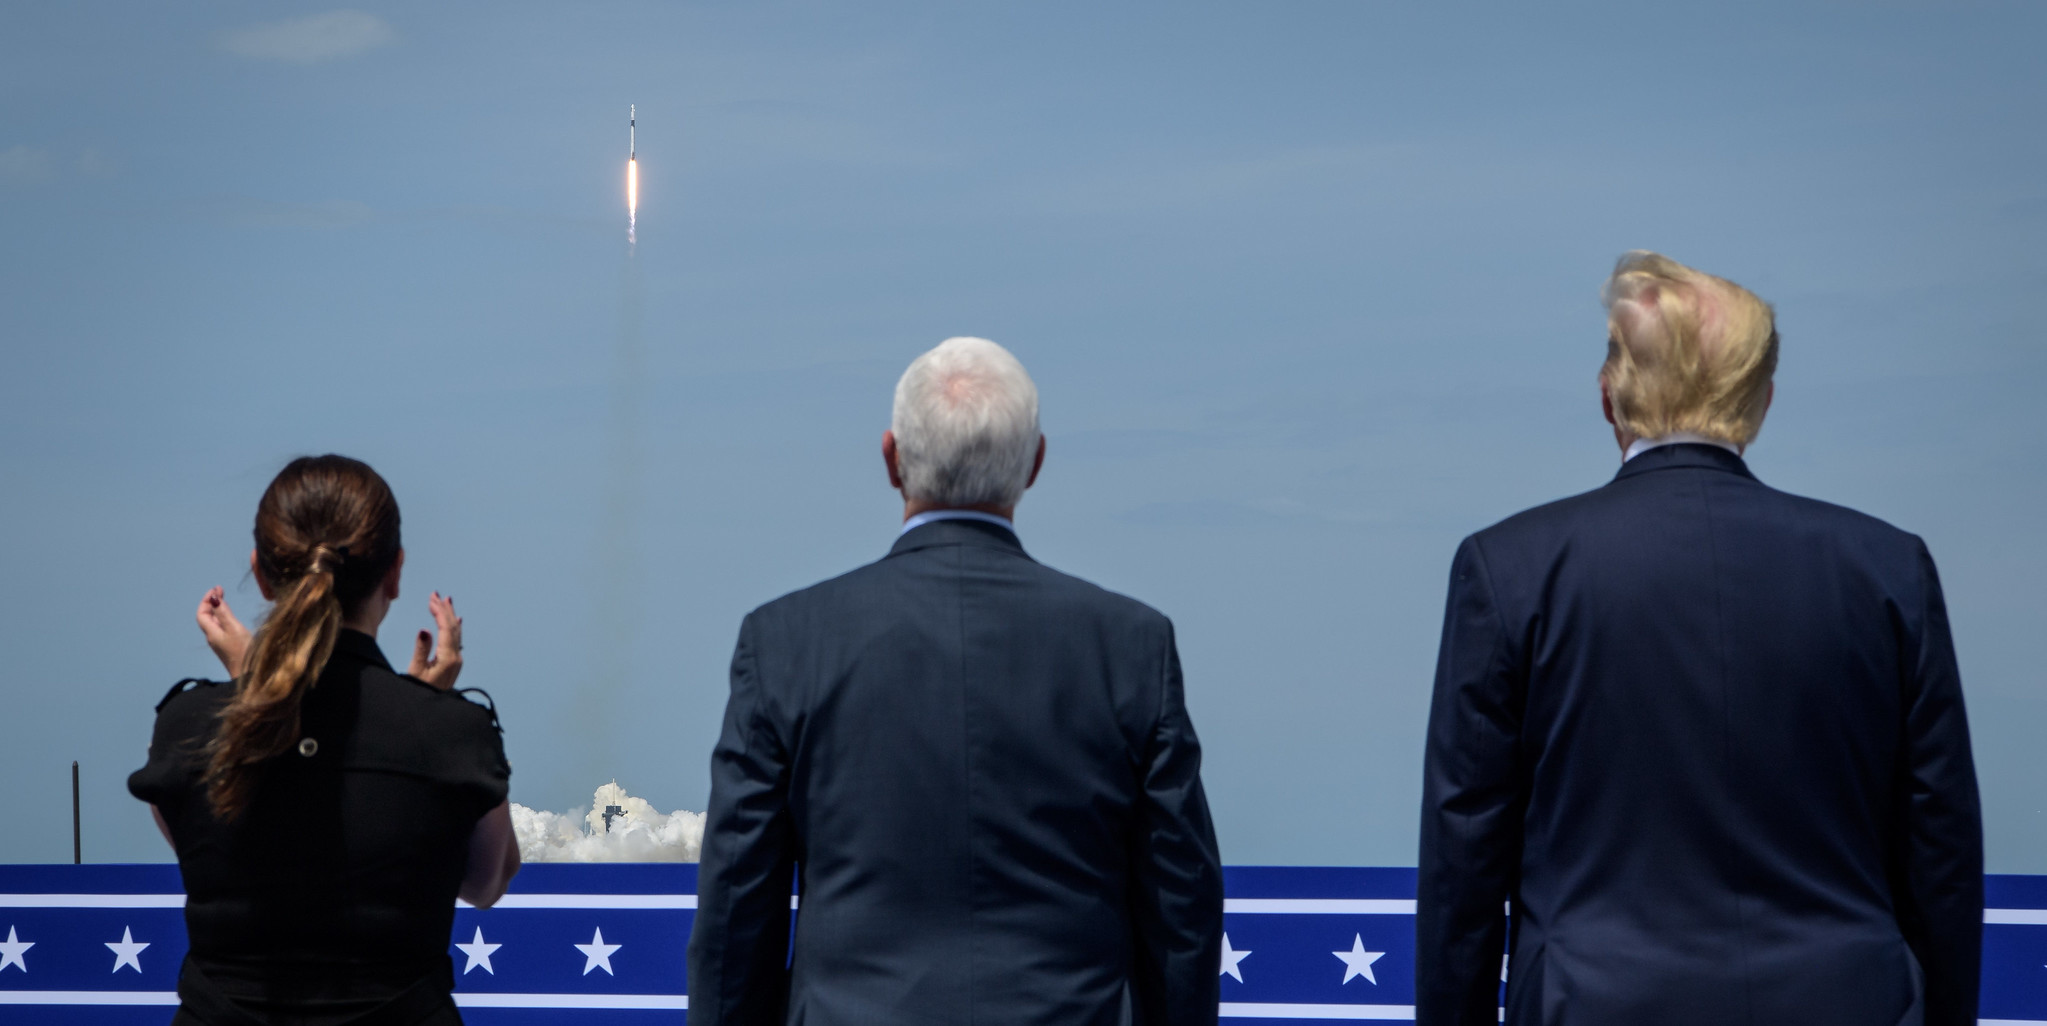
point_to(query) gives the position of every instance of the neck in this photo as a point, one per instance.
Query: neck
(1625, 439)
(1629, 442)
(369, 616)
(912, 507)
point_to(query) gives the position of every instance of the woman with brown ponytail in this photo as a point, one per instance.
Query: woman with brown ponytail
(327, 811)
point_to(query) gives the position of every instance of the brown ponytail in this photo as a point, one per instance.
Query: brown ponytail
(326, 535)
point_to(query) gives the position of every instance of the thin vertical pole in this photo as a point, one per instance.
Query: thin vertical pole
(77, 850)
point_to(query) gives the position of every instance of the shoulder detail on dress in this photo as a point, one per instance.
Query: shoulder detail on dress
(433, 695)
(415, 681)
(441, 692)
(184, 685)
(488, 704)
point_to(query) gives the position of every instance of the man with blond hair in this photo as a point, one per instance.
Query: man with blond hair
(1704, 739)
(981, 769)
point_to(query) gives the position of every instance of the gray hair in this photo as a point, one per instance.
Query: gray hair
(966, 425)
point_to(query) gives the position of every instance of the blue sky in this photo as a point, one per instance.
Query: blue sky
(1309, 290)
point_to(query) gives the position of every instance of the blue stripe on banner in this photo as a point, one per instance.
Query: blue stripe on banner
(596, 945)
(629, 951)
(107, 878)
(2015, 892)
(71, 949)
(606, 878)
(2014, 972)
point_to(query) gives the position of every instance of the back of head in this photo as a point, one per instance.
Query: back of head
(966, 425)
(326, 536)
(1686, 351)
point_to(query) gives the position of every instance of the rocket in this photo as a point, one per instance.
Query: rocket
(632, 172)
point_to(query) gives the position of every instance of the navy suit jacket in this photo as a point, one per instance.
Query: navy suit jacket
(1708, 739)
(985, 772)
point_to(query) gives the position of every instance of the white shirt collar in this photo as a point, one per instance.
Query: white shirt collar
(933, 515)
(1642, 445)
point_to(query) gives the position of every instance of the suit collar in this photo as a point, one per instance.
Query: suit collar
(978, 533)
(1684, 454)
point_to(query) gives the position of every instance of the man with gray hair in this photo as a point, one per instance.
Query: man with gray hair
(979, 770)
(1704, 738)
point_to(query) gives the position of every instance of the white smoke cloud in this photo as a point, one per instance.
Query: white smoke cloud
(94, 164)
(25, 164)
(324, 214)
(34, 164)
(311, 39)
(637, 833)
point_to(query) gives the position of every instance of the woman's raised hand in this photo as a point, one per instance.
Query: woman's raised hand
(225, 635)
(438, 661)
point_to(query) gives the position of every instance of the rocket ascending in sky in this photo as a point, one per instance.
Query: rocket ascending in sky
(632, 171)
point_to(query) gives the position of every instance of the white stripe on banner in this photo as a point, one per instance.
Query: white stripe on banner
(92, 901)
(88, 997)
(1233, 906)
(2015, 917)
(668, 901)
(1319, 906)
(657, 1001)
(1248, 1010)
(658, 901)
(170, 997)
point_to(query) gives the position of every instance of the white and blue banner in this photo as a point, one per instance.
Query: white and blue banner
(584, 945)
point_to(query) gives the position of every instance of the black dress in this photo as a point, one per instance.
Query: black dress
(331, 900)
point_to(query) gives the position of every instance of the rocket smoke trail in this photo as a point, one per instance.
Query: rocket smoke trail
(619, 579)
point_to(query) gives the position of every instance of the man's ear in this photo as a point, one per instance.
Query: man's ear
(1606, 401)
(1769, 396)
(888, 456)
(1037, 464)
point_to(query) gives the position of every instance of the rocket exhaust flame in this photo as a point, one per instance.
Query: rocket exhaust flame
(632, 173)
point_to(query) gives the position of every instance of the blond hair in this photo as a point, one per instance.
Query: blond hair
(1686, 351)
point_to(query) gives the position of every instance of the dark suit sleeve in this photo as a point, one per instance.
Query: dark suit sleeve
(1940, 898)
(1177, 887)
(1471, 806)
(739, 946)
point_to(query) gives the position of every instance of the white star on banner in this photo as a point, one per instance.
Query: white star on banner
(1230, 960)
(479, 953)
(12, 950)
(596, 954)
(127, 951)
(1357, 961)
